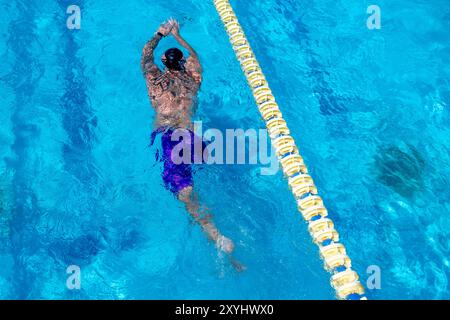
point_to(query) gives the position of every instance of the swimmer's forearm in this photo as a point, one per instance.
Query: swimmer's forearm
(186, 45)
(149, 48)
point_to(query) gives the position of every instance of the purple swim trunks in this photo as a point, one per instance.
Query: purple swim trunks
(176, 176)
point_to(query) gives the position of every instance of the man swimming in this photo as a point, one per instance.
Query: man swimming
(172, 93)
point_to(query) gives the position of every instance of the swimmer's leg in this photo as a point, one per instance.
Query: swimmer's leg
(190, 199)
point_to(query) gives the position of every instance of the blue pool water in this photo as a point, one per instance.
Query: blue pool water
(79, 183)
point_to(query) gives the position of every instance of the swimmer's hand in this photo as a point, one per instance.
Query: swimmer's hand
(175, 27)
(165, 28)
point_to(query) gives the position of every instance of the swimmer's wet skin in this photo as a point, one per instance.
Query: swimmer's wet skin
(172, 93)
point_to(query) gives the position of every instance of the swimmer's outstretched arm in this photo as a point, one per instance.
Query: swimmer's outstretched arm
(193, 55)
(147, 61)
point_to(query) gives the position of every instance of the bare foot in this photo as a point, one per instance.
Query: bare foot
(224, 244)
(237, 265)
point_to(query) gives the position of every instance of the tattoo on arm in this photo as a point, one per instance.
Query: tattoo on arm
(147, 53)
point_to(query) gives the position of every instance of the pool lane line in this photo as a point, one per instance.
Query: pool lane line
(336, 261)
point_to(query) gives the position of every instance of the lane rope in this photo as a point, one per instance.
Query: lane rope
(343, 279)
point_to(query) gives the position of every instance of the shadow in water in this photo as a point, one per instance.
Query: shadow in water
(79, 120)
(80, 251)
(400, 168)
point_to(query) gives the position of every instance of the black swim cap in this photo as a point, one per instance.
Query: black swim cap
(173, 58)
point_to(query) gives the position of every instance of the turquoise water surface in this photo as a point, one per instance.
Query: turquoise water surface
(79, 183)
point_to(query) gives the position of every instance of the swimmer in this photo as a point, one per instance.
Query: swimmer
(173, 93)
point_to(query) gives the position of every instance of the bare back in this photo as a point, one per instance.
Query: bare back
(173, 95)
(171, 92)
